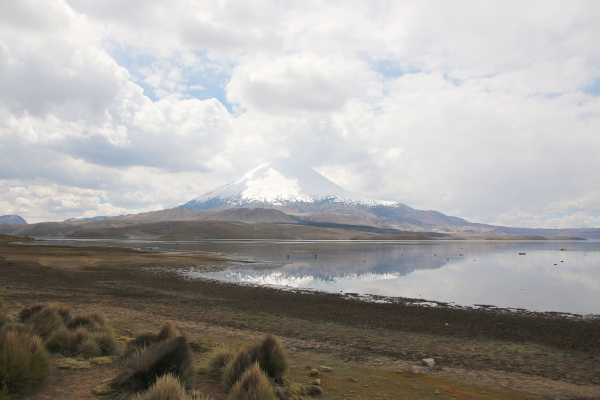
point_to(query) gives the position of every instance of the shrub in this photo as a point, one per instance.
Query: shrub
(219, 358)
(253, 385)
(235, 368)
(142, 370)
(23, 360)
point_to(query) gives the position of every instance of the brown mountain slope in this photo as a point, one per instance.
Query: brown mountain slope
(262, 215)
(171, 214)
(232, 230)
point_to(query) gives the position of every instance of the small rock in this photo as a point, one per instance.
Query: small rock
(317, 382)
(313, 372)
(103, 388)
(428, 362)
(323, 368)
(415, 369)
(313, 390)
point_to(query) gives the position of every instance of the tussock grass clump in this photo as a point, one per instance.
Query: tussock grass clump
(61, 341)
(219, 358)
(167, 387)
(272, 357)
(82, 343)
(253, 385)
(168, 332)
(235, 368)
(28, 312)
(62, 310)
(88, 348)
(138, 344)
(44, 322)
(92, 322)
(107, 343)
(269, 354)
(23, 360)
(142, 370)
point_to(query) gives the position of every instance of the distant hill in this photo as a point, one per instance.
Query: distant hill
(12, 220)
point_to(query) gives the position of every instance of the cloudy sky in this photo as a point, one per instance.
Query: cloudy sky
(487, 110)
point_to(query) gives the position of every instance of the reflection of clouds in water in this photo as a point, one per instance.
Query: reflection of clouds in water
(499, 282)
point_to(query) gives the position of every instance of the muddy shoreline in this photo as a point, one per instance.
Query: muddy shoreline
(558, 348)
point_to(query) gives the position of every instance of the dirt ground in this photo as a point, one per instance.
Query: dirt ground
(479, 353)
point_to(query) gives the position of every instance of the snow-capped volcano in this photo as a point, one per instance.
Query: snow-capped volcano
(294, 188)
(280, 183)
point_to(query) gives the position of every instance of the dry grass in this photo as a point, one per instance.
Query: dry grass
(23, 360)
(142, 370)
(253, 385)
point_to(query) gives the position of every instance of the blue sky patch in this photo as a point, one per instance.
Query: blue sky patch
(594, 89)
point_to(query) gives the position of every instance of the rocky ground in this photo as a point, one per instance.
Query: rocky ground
(479, 353)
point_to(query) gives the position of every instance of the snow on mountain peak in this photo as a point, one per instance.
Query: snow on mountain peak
(280, 182)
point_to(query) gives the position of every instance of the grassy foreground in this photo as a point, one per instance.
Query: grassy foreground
(370, 347)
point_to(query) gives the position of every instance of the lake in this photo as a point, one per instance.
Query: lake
(560, 276)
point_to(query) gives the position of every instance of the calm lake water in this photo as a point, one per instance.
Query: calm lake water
(561, 276)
